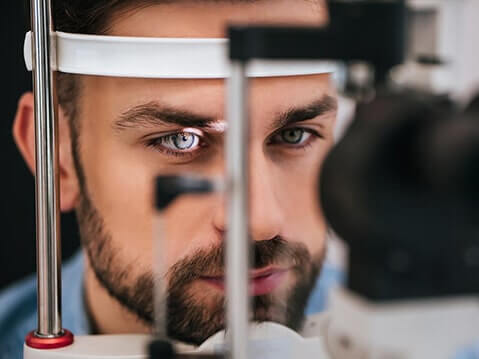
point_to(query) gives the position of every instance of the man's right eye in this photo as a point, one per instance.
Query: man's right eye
(180, 141)
(177, 144)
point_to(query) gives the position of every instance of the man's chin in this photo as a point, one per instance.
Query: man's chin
(279, 296)
(209, 317)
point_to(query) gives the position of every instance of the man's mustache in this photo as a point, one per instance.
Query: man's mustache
(211, 262)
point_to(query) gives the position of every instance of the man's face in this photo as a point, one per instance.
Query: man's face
(132, 130)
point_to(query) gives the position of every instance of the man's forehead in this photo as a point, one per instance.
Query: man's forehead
(206, 18)
(268, 96)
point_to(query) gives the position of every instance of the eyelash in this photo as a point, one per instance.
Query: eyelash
(156, 143)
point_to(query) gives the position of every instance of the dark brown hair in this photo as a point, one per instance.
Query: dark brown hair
(90, 16)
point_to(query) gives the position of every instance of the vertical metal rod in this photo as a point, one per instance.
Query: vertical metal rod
(237, 241)
(47, 200)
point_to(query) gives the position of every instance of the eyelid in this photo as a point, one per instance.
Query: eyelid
(192, 130)
(149, 139)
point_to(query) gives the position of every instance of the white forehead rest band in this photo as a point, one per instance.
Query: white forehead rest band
(149, 57)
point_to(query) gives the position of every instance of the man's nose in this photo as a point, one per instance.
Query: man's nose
(266, 217)
(266, 213)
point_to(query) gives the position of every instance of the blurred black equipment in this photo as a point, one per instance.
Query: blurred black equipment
(401, 188)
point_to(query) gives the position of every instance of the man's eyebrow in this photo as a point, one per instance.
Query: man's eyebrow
(326, 104)
(153, 114)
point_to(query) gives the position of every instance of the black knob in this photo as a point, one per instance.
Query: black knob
(168, 188)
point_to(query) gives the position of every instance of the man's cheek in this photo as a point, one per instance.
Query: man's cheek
(124, 188)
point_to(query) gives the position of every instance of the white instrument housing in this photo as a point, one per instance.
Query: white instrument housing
(267, 341)
(435, 328)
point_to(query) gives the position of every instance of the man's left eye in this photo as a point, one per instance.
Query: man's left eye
(292, 136)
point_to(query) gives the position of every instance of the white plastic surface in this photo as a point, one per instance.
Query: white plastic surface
(97, 347)
(435, 328)
(149, 57)
(27, 51)
(268, 341)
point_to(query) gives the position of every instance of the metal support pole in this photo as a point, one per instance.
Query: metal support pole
(47, 199)
(237, 241)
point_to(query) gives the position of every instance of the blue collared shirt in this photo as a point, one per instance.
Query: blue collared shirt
(18, 309)
(18, 305)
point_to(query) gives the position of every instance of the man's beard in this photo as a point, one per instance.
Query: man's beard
(189, 319)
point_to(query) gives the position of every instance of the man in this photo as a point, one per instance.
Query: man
(117, 134)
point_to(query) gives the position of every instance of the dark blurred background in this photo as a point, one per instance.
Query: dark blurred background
(17, 243)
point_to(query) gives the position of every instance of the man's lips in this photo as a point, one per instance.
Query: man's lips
(262, 281)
